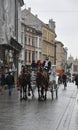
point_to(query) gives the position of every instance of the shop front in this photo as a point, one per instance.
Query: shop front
(9, 54)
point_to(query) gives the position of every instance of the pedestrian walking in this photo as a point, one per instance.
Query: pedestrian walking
(64, 79)
(59, 79)
(10, 82)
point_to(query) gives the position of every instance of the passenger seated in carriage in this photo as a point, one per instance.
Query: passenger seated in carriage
(33, 65)
(39, 64)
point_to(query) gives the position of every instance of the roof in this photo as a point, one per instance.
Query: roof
(59, 42)
(28, 12)
(38, 32)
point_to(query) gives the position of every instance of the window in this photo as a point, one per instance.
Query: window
(40, 43)
(26, 56)
(39, 55)
(32, 41)
(75, 67)
(33, 55)
(29, 41)
(22, 37)
(25, 40)
(29, 56)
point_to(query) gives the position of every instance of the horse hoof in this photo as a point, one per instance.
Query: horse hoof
(21, 99)
(33, 96)
(45, 98)
(39, 98)
(25, 98)
(29, 94)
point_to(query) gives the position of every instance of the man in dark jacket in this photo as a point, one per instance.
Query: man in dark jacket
(33, 65)
(76, 80)
(64, 79)
(10, 82)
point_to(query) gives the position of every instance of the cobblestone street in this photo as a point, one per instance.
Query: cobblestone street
(59, 114)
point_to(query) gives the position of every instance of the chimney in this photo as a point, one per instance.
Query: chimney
(36, 16)
(29, 9)
(52, 24)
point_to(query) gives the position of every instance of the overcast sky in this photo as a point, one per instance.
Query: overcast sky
(65, 15)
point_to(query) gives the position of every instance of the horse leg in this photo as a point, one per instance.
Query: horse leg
(32, 89)
(46, 88)
(23, 89)
(20, 92)
(39, 97)
(25, 92)
(29, 88)
(42, 92)
(45, 97)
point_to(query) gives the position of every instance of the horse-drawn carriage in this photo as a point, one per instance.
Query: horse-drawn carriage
(47, 81)
(38, 78)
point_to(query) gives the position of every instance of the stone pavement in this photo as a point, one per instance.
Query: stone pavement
(59, 114)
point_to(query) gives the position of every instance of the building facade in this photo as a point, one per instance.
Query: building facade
(48, 33)
(61, 57)
(48, 46)
(72, 66)
(10, 33)
(31, 40)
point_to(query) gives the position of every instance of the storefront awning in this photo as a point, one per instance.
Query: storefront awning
(15, 45)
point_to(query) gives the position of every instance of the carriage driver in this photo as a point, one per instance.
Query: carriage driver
(47, 64)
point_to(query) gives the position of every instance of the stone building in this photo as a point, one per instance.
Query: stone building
(48, 44)
(10, 33)
(31, 40)
(48, 33)
(61, 57)
(72, 65)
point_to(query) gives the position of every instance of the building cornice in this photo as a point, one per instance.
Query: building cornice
(21, 2)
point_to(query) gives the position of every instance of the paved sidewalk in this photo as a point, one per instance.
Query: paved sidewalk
(69, 120)
(74, 116)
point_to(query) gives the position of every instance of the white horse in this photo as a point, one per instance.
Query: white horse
(53, 78)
